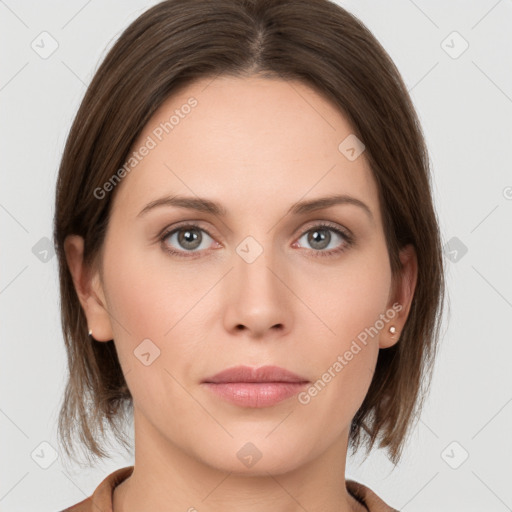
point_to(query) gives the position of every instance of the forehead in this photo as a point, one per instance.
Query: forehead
(245, 141)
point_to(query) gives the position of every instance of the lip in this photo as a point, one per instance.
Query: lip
(250, 374)
(255, 387)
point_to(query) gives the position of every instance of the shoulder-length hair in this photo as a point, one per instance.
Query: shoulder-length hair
(318, 42)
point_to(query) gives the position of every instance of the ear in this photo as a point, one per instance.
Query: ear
(401, 296)
(89, 289)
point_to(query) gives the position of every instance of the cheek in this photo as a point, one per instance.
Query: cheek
(154, 311)
(352, 306)
(149, 293)
(331, 402)
(350, 297)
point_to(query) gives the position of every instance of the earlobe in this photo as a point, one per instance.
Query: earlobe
(402, 298)
(89, 289)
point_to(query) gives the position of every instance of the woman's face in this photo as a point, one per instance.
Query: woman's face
(257, 285)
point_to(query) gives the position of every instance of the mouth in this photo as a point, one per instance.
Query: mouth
(255, 387)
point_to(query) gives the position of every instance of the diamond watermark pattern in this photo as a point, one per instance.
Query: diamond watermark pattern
(249, 454)
(146, 352)
(351, 147)
(454, 45)
(455, 249)
(44, 250)
(44, 45)
(249, 249)
(454, 455)
(44, 455)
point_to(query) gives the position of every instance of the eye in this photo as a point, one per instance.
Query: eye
(321, 236)
(189, 238)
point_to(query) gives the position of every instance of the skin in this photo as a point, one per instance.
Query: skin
(257, 146)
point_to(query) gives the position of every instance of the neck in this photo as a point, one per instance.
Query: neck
(169, 478)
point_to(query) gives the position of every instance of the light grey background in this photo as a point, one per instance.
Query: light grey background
(465, 106)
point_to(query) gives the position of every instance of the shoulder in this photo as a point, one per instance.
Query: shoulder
(368, 498)
(101, 499)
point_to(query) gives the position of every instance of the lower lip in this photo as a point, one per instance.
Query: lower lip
(255, 394)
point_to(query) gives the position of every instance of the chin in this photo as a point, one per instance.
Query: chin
(255, 455)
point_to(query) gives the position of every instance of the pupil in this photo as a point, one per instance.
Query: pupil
(318, 237)
(190, 239)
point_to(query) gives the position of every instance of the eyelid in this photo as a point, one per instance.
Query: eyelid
(349, 239)
(299, 232)
(184, 224)
(324, 223)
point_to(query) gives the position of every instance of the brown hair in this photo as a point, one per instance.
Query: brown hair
(324, 46)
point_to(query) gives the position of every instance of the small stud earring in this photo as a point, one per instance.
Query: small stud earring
(392, 329)
(90, 332)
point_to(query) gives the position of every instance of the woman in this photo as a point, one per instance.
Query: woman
(250, 259)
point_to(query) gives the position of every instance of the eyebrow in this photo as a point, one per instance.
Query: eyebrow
(204, 205)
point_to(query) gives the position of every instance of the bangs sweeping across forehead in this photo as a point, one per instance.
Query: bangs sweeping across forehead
(316, 41)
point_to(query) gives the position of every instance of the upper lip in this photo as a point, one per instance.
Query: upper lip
(250, 374)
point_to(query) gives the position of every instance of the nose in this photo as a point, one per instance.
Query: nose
(258, 300)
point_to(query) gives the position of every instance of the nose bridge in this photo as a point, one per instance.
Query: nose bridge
(253, 263)
(256, 296)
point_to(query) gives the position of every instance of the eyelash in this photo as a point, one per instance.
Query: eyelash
(348, 240)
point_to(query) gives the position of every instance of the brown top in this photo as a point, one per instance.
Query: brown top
(101, 499)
